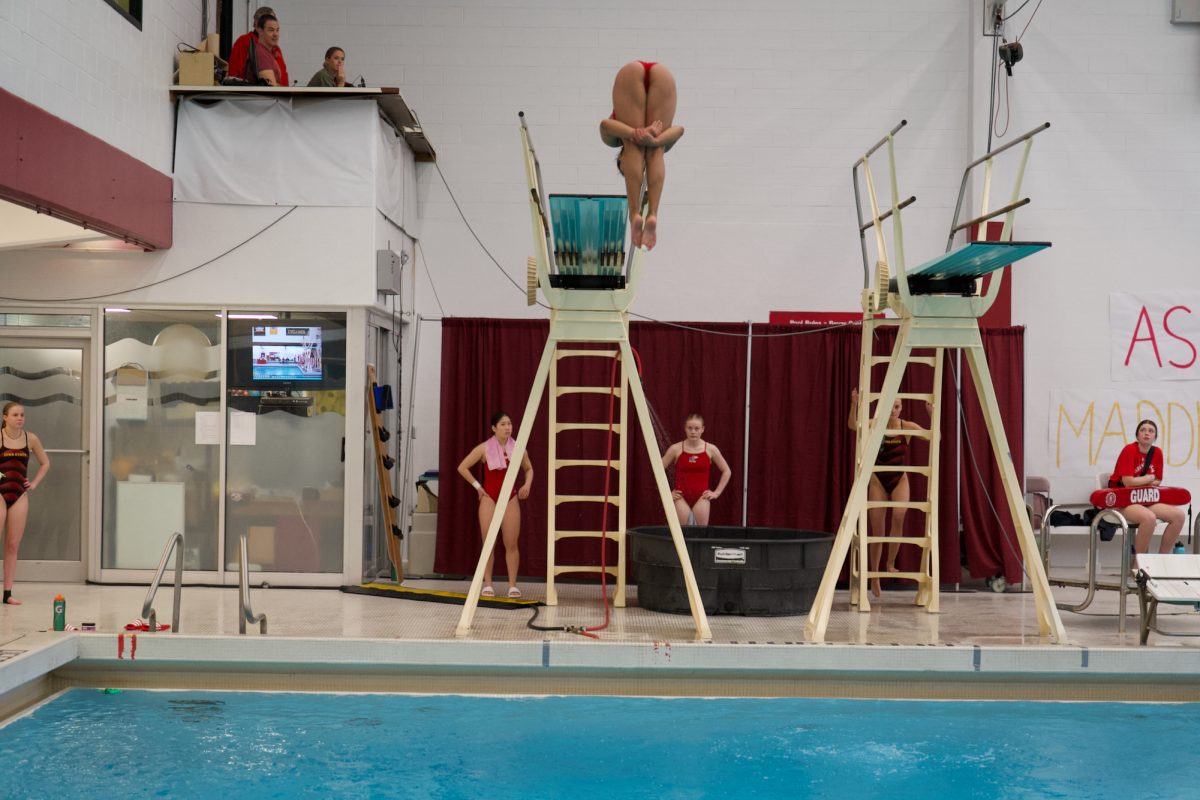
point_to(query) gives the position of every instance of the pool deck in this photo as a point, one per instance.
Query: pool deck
(981, 645)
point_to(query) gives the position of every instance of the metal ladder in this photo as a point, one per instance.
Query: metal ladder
(860, 572)
(555, 532)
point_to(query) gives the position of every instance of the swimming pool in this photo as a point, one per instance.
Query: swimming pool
(86, 743)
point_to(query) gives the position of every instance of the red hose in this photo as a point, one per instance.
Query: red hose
(612, 396)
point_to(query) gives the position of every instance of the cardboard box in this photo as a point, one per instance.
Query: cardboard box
(199, 69)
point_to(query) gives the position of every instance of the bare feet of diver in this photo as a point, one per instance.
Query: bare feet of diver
(650, 235)
(876, 587)
(635, 230)
(12, 601)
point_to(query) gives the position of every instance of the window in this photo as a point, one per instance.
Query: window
(129, 9)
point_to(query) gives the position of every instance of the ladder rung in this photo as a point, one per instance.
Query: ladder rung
(560, 354)
(614, 535)
(559, 499)
(585, 462)
(929, 361)
(919, 505)
(901, 468)
(927, 396)
(561, 390)
(593, 569)
(920, 541)
(912, 576)
(586, 426)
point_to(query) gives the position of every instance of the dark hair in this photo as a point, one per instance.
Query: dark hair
(329, 53)
(619, 170)
(693, 416)
(1149, 422)
(261, 22)
(261, 10)
(8, 407)
(499, 415)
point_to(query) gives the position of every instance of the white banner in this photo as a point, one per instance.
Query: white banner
(1088, 430)
(1153, 336)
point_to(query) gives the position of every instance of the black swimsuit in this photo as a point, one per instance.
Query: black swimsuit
(14, 467)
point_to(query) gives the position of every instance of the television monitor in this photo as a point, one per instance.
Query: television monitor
(300, 353)
(285, 352)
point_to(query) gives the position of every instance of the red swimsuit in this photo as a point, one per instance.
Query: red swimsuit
(691, 475)
(493, 481)
(647, 66)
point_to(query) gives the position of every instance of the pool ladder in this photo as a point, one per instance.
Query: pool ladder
(175, 542)
(245, 613)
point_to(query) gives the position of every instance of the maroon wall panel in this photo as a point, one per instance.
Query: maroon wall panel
(51, 165)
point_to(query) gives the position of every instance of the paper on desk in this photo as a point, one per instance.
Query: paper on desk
(208, 427)
(242, 427)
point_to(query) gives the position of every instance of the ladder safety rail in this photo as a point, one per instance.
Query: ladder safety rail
(246, 614)
(174, 542)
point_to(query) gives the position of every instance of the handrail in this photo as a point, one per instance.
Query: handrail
(245, 613)
(148, 612)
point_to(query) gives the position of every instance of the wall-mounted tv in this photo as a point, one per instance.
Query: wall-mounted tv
(286, 352)
(292, 351)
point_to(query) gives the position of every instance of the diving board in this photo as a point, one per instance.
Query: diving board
(955, 272)
(936, 306)
(589, 278)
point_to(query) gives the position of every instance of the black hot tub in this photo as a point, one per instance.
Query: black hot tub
(758, 572)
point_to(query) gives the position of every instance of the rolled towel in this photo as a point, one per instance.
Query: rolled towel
(142, 625)
(497, 457)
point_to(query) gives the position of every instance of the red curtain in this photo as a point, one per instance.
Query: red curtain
(489, 365)
(801, 449)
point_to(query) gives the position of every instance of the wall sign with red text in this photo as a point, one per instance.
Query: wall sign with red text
(1154, 336)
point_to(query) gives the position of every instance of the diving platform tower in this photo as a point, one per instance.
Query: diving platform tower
(937, 306)
(589, 281)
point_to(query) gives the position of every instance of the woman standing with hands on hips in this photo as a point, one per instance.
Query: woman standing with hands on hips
(693, 459)
(16, 444)
(494, 454)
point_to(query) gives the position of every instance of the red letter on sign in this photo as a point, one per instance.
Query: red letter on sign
(1167, 328)
(1148, 338)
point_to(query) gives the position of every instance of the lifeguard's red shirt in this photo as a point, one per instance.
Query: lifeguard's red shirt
(1130, 461)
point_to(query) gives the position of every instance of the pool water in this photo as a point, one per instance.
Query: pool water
(86, 743)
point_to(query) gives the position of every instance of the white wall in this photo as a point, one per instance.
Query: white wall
(83, 62)
(279, 264)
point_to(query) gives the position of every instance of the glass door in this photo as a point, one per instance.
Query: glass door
(47, 377)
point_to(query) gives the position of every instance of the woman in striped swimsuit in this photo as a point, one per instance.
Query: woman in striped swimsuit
(16, 444)
(886, 486)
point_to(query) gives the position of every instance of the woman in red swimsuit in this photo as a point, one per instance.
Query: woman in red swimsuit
(642, 125)
(494, 454)
(692, 459)
(886, 486)
(1140, 463)
(16, 444)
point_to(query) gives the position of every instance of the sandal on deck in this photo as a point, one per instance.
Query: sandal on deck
(488, 592)
(514, 592)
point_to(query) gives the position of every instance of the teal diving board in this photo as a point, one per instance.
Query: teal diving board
(589, 233)
(956, 272)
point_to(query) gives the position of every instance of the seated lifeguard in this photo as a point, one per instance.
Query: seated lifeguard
(1140, 465)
